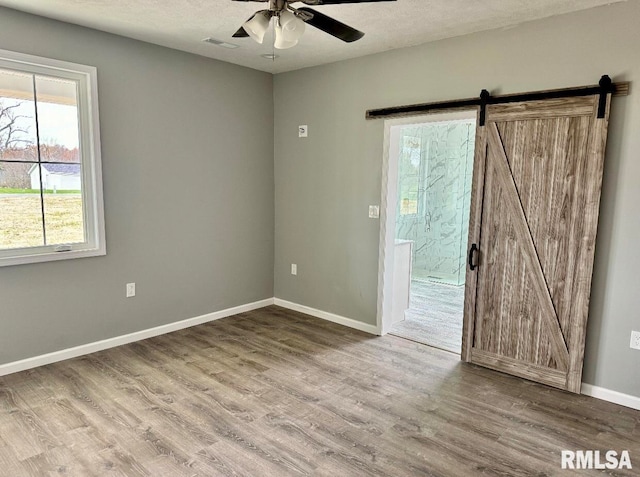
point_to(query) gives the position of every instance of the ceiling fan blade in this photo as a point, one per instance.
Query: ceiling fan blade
(338, 2)
(241, 33)
(332, 26)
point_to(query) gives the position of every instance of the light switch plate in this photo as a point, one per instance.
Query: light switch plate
(131, 290)
(635, 340)
(374, 211)
(303, 131)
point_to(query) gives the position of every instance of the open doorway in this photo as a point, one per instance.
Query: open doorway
(430, 168)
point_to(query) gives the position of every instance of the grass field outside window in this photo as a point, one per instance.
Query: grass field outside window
(21, 218)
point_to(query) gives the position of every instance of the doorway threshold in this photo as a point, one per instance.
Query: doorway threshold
(434, 316)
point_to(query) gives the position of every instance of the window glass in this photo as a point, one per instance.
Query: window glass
(50, 197)
(409, 174)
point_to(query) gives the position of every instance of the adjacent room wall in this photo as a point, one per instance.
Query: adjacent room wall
(187, 157)
(324, 183)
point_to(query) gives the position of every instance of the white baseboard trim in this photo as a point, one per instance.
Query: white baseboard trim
(9, 368)
(612, 396)
(82, 350)
(341, 320)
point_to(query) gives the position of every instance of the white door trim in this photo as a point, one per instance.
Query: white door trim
(388, 204)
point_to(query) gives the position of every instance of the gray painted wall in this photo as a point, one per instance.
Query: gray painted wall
(324, 183)
(187, 156)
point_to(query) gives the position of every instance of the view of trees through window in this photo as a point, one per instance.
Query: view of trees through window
(40, 163)
(409, 166)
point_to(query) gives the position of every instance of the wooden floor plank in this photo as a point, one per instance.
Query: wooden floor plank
(276, 393)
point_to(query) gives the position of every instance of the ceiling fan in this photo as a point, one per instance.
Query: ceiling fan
(290, 22)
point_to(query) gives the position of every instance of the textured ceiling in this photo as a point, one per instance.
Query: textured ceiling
(182, 24)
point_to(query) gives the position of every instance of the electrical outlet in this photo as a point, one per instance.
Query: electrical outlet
(131, 290)
(374, 211)
(635, 340)
(294, 269)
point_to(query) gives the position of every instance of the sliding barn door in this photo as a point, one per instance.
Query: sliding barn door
(537, 184)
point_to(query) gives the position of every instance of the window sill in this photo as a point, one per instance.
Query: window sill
(51, 256)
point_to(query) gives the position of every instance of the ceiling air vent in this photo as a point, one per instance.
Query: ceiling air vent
(223, 44)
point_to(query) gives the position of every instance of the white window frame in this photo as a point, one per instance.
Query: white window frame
(89, 135)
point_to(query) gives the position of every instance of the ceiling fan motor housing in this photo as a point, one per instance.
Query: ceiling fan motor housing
(277, 5)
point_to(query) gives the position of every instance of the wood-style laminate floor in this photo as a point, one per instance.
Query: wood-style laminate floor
(277, 393)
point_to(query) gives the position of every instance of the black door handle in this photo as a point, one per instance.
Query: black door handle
(474, 248)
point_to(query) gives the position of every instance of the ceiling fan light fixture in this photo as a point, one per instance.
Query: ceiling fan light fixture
(289, 29)
(290, 23)
(281, 43)
(257, 26)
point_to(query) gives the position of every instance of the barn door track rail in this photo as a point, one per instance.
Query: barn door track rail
(604, 87)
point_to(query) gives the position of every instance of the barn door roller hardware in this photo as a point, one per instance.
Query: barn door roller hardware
(606, 87)
(603, 88)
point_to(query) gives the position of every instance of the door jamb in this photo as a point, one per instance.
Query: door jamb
(475, 223)
(388, 204)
